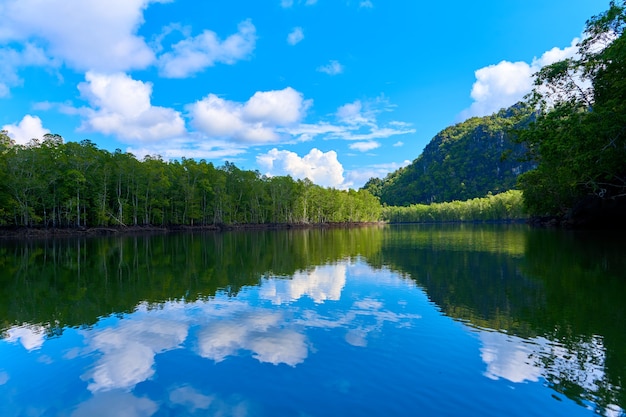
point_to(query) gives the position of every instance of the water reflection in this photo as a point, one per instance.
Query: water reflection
(221, 324)
(320, 283)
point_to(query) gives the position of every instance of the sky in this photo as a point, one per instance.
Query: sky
(337, 91)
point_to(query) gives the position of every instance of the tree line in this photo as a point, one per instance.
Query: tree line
(53, 183)
(499, 207)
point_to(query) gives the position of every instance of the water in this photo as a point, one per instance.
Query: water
(378, 321)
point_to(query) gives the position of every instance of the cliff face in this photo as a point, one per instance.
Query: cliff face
(464, 161)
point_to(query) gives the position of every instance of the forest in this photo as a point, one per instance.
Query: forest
(563, 148)
(57, 184)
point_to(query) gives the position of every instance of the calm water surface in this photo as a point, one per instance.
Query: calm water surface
(380, 321)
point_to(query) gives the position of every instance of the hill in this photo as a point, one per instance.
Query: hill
(464, 161)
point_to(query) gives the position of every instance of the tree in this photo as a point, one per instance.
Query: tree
(579, 136)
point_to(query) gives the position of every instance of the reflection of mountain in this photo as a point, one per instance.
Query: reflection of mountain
(567, 289)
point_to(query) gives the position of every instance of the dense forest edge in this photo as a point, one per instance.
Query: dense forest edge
(557, 158)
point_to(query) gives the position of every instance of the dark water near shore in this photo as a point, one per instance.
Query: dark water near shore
(377, 321)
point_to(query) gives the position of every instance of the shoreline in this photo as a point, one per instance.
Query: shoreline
(33, 233)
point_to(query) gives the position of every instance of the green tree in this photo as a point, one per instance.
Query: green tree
(579, 135)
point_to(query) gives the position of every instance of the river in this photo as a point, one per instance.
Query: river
(448, 320)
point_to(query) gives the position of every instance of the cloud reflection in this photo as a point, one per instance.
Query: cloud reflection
(580, 364)
(116, 404)
(321, 284)
(31, 337)
(259, 331)
(128, 351)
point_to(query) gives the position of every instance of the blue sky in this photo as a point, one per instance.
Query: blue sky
(335, 90)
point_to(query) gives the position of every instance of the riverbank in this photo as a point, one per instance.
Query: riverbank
(21, 233)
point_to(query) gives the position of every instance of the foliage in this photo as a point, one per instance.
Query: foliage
(50, 183)
(463, 161)
(503, 206)
(578, 137)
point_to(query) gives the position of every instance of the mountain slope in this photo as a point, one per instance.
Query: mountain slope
(464, 161)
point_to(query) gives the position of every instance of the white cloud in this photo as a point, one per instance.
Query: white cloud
(362, 125)
(352, 114)
(332, 68)
(365, 146)
(504, 84)
(98, 35)
(367, 4)
(193, 55)
(295, 36)
(121, 106)
(255, 122)
(30, 127)
(11, 60)
(286, 3)
(322, 168)
(398, 144)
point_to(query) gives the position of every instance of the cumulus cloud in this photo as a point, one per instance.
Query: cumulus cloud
(295, 36)
(504, 84)
(30, 127)
(332, 68)
(256, 121)
(193, 55)
(116, 403)
(98, 35)
(121, 106)
(322, 168)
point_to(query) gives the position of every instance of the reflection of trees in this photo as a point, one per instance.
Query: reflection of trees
(567, 288)
(73, 282)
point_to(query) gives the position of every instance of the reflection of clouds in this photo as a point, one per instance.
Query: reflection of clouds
(190, 398)
(581, 363)
(116, 404)
(509, 358)
(31, 337)
(199, 404)
(128, 351)
(364, 317)
(259, 331)
(321, 284)
(4, 377)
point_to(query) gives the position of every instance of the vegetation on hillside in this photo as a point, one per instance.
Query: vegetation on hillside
(579, 135)
(464, 161)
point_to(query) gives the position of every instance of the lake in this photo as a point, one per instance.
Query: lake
(415, 320)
